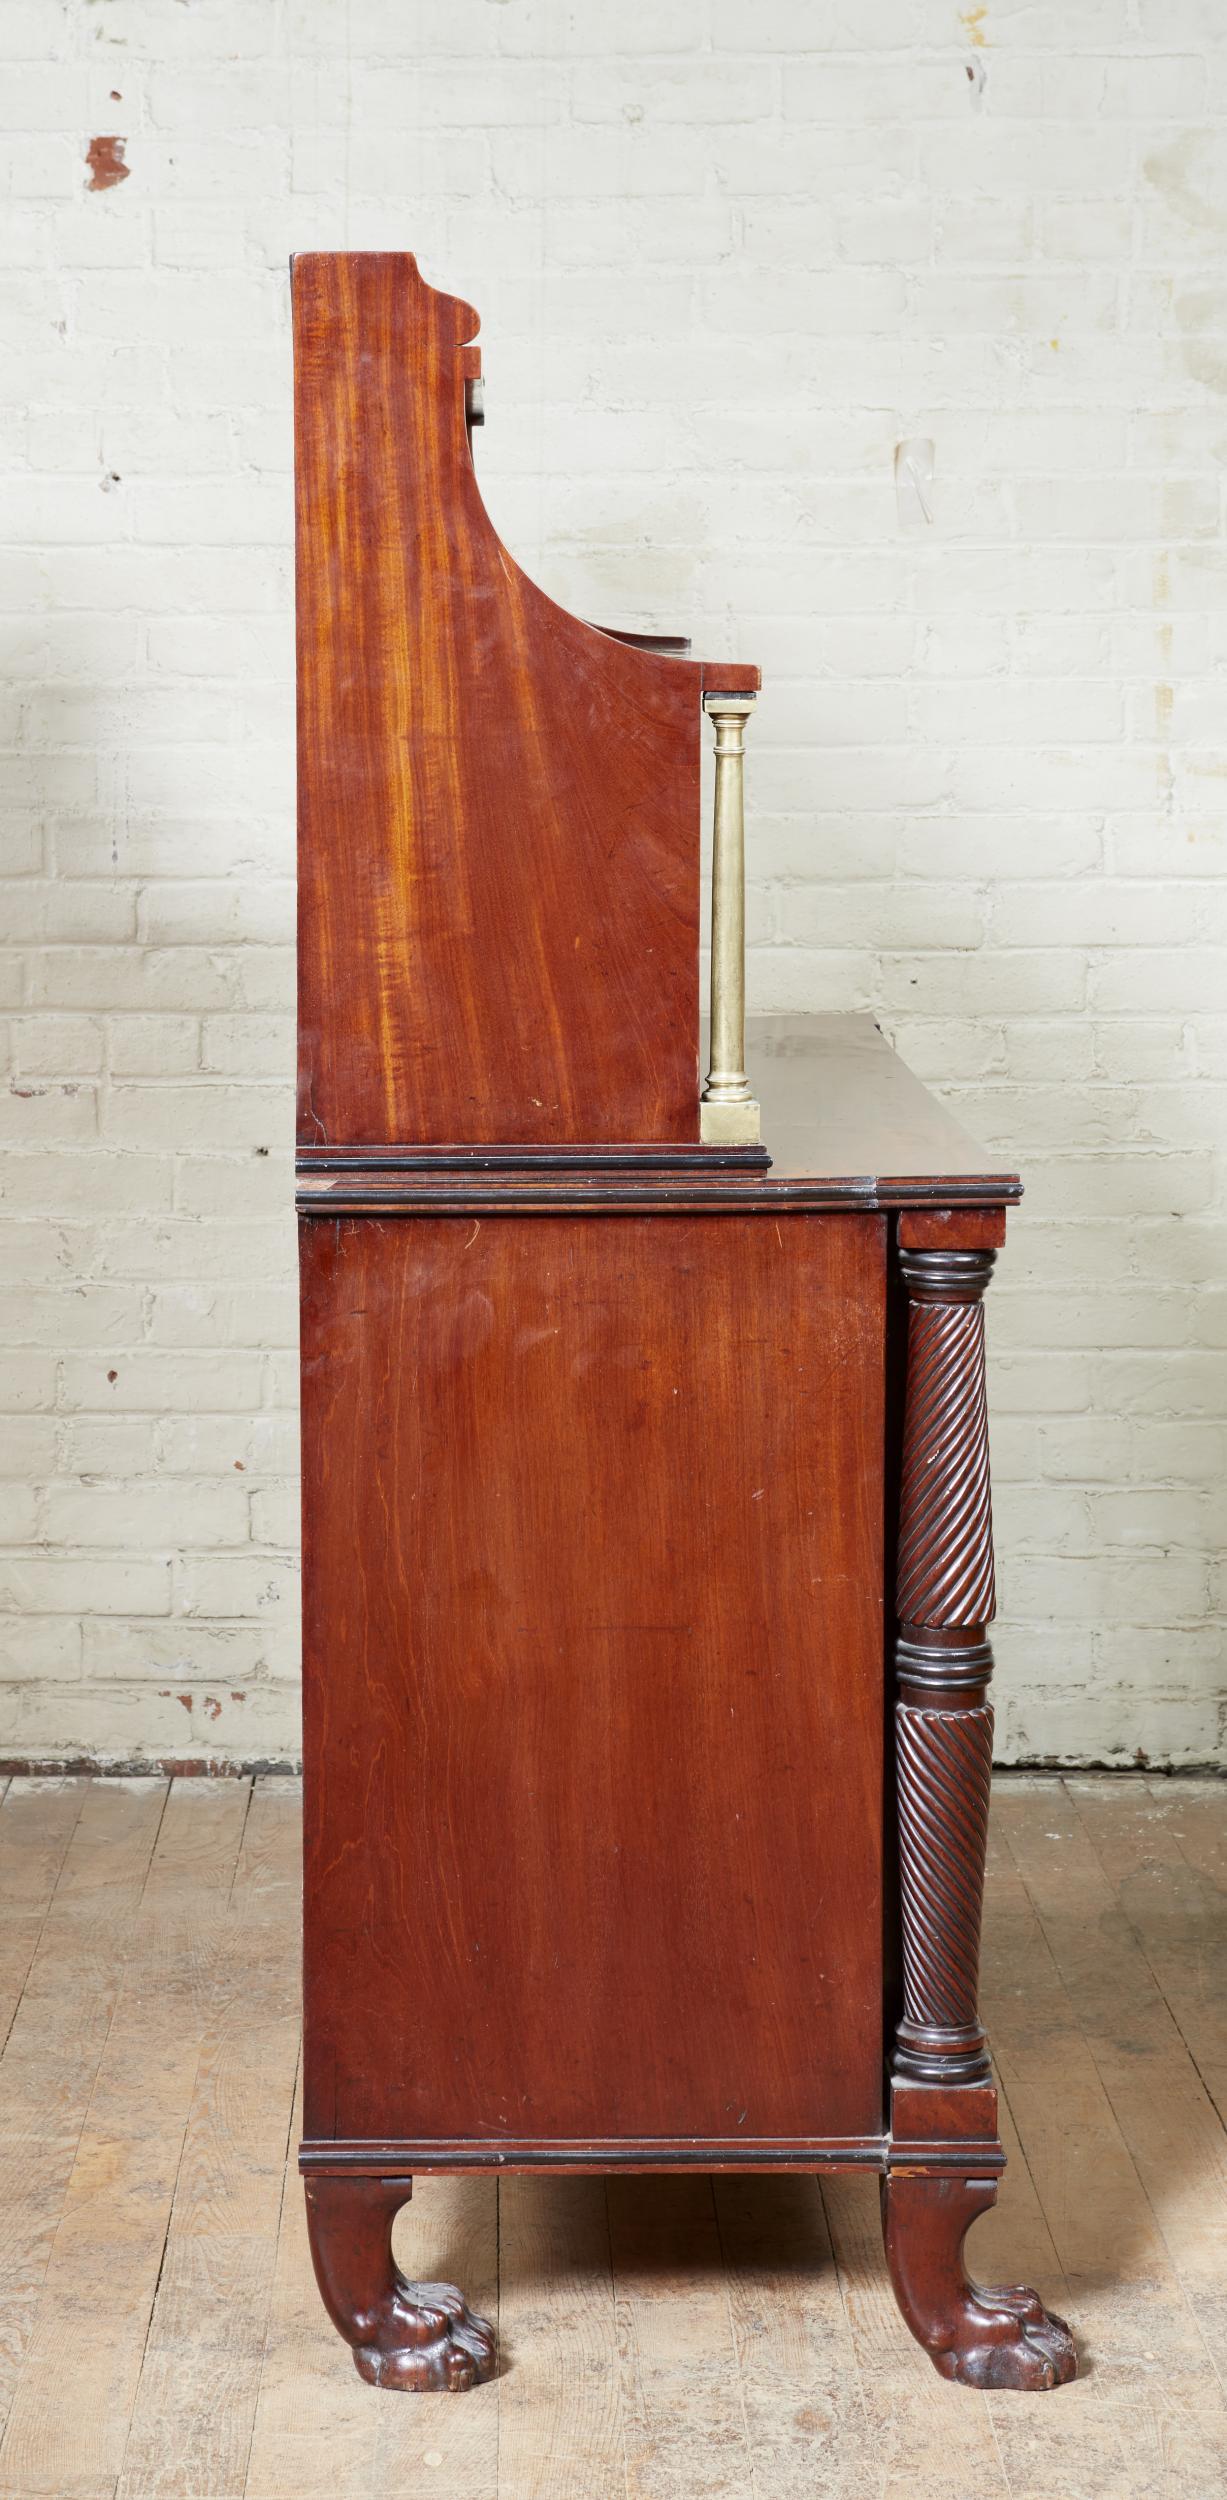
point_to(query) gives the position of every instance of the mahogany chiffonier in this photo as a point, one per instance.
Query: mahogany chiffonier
(647, 1547)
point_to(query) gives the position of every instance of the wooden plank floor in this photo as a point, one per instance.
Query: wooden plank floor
(667, 2339)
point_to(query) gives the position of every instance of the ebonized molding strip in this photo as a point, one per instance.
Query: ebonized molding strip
(647, 2153)
(594, 1158)
(523, 1192)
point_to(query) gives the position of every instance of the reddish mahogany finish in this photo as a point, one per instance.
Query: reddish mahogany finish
(615, 1448)
(587, 1601)
(946, 1598)
(498, 804)
(406, 2335)
(998, 2336)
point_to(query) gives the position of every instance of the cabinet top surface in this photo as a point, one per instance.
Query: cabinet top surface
(845, 1123)
(839, 1103)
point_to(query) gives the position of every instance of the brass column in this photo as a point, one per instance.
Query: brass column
(728, 1113)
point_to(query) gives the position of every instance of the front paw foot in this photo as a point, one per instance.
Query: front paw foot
(984, 2336)
(1009, 2339)
(406, 2335)
(428, 2338)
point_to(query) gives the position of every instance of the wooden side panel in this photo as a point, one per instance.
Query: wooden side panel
(498, 805)
(593, 1678)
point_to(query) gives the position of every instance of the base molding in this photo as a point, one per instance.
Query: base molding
(977, 2155)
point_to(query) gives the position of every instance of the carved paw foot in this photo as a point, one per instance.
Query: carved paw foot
(427, 2337)
(1011, 2341)
(981, 2335)
(403, 2335)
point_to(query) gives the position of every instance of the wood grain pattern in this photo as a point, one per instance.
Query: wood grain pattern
(37, 1822)
(680, 2382)
(498, 804)
(582, 1594)
(114, 2076)
(844, 1120)
(918, 2438)
(1148, 2336)
(597, 1514)
(1104, 1911)
(1143, 2138)
(935, 1228)
(561, 2428)
(838, 1101)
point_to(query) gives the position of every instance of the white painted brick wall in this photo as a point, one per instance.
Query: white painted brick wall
(727, 257)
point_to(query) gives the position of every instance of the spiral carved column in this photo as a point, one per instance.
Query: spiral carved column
(944, 1724)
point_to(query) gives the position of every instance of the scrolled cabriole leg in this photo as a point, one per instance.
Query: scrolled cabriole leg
(403, 2335)
(942, 2078)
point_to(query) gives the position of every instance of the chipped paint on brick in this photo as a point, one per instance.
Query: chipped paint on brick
(105, 159)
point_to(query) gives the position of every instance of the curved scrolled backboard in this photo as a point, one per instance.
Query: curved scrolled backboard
(498, 804)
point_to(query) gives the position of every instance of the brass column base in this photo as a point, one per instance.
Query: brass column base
(729, 1123)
